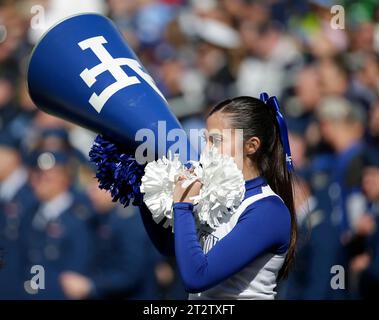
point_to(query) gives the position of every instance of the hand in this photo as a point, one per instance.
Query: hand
(365, 225)
(182, 194)
(75, 285)
(164, 274)
(360, 263)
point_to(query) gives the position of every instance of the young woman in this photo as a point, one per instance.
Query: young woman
(245, 256)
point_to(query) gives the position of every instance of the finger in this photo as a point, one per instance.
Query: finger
(180, 178)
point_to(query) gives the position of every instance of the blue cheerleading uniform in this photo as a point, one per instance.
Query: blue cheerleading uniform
(241, 258)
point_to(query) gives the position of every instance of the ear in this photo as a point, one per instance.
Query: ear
(252, 145)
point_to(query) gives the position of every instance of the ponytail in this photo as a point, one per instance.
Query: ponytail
(280, 179)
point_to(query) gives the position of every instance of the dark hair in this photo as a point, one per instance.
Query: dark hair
(259, 120)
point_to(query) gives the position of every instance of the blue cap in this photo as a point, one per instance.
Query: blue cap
(60, 133)
(45, 159)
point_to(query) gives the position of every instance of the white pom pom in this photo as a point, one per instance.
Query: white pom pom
(223, 188)
(222, 191)
(158, 185)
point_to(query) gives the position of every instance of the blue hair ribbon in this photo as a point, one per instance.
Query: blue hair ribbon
(273, 102)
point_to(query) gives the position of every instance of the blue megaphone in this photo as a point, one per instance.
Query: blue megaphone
(82, 70)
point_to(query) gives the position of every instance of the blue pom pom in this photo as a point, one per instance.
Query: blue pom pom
(117, 171)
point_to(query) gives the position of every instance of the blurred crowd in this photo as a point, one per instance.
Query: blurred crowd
(199, 52)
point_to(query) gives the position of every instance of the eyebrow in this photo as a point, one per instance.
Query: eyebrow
(215, 135)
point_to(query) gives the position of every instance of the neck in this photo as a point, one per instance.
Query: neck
(249, 171)
(54, 195)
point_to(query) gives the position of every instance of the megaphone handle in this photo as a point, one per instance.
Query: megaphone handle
(162, 238)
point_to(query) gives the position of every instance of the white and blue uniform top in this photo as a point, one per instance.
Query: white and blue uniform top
(241, 258)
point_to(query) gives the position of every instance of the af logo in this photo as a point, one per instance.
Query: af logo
(112, 65)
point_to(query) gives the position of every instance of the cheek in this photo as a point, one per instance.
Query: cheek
(327, 131)
(233, 147)
(6, 161)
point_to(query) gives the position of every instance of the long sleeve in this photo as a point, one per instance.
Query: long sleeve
(162, 238)
(263, 227)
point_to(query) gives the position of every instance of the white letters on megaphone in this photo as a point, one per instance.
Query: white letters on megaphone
(113, 65)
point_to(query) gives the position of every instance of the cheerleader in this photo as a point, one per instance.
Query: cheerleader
(244, 257)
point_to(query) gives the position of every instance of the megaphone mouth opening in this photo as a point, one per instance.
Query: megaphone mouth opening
(56, 24)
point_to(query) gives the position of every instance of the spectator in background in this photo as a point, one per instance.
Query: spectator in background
(273, 57)
(124, 260)
(57, 139)
(16, 203)
(359, 87)
(365, 80)
(362, 37)
(317, 249)
(365, 266)
(342, 126)
(301, 106)
(40, 121)
(12, 44)
(58, 236)
(218, 59)
(334, 77)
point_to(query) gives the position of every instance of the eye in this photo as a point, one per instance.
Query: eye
(203, 137)
(215, 139)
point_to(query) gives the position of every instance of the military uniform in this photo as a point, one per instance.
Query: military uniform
(317, 251)
(16, 203)
(319, 245)
(58, 240)
(124, 261)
